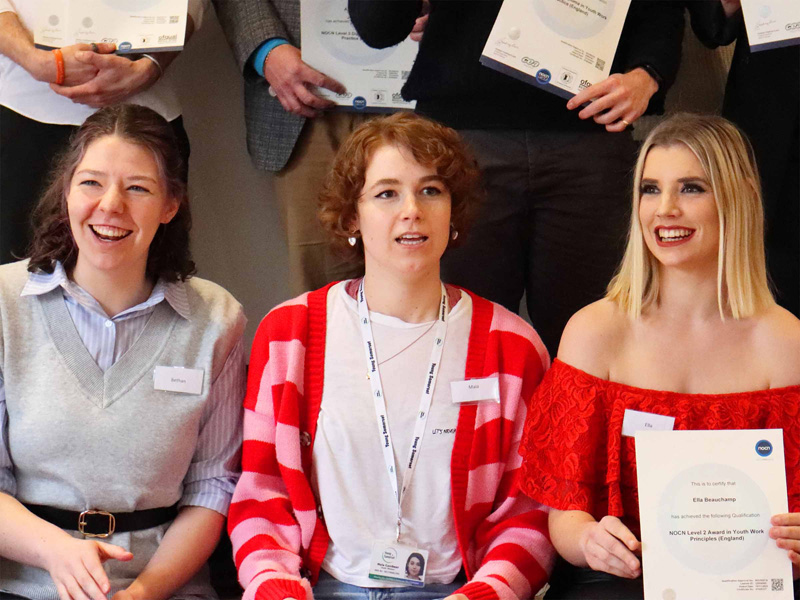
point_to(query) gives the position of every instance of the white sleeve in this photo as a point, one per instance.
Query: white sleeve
(6, 6)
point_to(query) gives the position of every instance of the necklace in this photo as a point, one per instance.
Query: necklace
(396, 354)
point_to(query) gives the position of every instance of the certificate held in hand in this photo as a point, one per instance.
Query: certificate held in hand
(373, 77)
(133, 25)
(705, 503)
(562, 46)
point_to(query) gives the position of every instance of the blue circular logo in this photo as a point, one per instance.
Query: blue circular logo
(360, 103)
(543, 76)
(764, 448)
(125, 46)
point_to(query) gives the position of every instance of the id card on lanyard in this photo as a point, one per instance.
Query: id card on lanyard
(386, 561)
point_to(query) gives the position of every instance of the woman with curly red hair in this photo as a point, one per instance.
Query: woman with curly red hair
(383, 414)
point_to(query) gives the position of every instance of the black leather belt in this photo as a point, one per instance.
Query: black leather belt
(101, 523)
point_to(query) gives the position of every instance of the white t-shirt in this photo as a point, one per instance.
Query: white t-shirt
(349, 474)
(34, 99)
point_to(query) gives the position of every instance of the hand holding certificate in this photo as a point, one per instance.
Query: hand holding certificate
(706, 499)
(373, 77)
(563, 46)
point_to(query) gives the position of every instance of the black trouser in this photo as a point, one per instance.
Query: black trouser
(572, 583)
(27, 152)
(553, 225)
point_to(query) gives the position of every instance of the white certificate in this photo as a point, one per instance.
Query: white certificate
(133, 25)
(771, 23)
(562, 46)
(705, 502)
(330, 44)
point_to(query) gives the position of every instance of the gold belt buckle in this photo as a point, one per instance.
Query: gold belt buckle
(112, 523)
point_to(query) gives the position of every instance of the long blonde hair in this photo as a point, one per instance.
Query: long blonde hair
(728, 161)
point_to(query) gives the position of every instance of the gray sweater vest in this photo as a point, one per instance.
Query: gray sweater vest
(82, 439)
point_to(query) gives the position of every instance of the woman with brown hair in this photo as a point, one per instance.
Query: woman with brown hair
(383, 414)
(120, 380)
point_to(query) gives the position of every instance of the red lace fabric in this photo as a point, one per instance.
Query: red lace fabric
(574, 455)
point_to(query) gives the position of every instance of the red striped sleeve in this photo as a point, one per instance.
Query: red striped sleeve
(509, 552)
(264, 532)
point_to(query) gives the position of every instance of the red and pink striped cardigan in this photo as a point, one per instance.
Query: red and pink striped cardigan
(278, 535)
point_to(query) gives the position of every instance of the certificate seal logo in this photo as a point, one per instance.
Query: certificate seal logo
(359, 103)
(125, 46)
(764, 448)
(562, 16)
(543, 76)
(731, 505)
(339, 38)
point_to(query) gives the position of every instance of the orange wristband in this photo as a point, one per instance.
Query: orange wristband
(59, 66)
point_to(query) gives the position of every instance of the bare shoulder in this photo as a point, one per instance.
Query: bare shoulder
(593, 337)
(777, 341)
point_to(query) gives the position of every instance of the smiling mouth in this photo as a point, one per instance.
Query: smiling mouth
(411, 239)
(673, 235)
(107, 233)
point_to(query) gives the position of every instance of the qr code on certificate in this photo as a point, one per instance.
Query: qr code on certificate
(174, 19)
(777, 585)
(600, 64)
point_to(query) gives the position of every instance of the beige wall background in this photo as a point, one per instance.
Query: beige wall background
(237, 237)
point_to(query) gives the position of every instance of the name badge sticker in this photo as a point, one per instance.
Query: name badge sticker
(635, 420)
(178, 379)
(392, 561)
(475, 390)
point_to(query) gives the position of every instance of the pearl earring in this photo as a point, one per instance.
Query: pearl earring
(454, 235)
(352, 240)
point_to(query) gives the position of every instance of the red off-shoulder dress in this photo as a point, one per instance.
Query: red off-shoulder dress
(575, 457)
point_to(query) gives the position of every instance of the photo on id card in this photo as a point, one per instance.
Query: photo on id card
(391, 561)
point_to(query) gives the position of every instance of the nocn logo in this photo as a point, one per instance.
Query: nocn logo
(359, 102)
(543, 76)
(764, 448)
(530, 62)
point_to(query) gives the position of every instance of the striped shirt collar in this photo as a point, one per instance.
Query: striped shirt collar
(41, 283)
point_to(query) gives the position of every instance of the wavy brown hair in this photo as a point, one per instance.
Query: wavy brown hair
(431, 144)
(169, 256)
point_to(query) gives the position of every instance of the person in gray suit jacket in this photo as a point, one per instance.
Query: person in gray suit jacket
(290, 132)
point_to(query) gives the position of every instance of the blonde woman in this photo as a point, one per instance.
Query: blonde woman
(688, 329)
